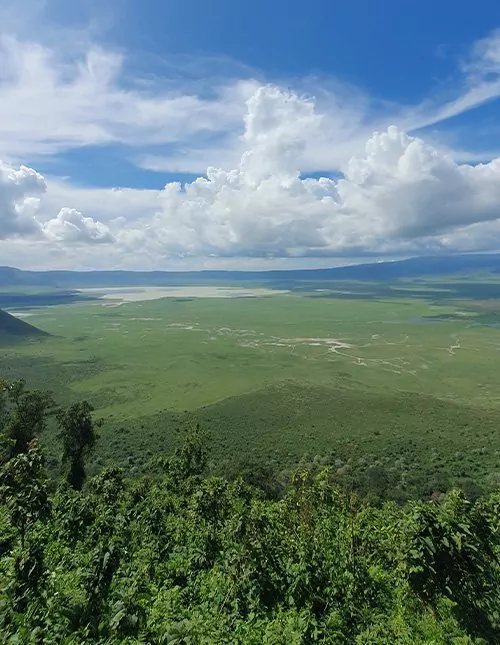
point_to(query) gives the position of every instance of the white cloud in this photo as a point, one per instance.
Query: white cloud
(401, 194)
(484, 62)
(20, 192)
(407, 189)
(106, 204)
(82, 101)
(71, 227)
(83, 94)
(478, 84)
(381, 193)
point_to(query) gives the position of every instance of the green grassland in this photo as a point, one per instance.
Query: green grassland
(359, 374)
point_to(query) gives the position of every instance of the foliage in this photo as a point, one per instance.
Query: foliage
(78, 436)
(23, 415)
(23, 489)
(188, 557)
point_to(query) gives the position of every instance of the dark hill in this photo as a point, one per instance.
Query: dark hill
(14, 329)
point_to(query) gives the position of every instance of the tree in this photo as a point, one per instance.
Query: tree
(23, 416)
(23, 488)
(191, 458)
(78, 435)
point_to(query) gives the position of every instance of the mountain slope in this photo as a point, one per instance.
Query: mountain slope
(14, 329)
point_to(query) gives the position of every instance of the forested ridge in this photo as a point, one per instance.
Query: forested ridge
(186, 556)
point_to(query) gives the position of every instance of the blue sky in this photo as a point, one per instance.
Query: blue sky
(394, 51)
(333, 130)
(398, 50)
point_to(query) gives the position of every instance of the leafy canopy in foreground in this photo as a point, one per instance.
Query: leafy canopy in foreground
(188, 558)
(23, 415)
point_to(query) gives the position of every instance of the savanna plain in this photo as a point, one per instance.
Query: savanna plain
(393, 385)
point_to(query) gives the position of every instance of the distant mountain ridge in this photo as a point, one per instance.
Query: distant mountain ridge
(412, 267)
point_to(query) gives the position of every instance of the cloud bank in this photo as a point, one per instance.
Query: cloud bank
(402, 194)
(300, 175)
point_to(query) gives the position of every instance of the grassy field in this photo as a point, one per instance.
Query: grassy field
(357, 372)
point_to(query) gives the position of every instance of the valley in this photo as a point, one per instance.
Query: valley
(280, 374)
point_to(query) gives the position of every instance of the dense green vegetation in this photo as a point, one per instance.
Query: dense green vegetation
(347, 491)
(187, 557)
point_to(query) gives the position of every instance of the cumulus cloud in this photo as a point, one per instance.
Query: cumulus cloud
(405, 188)
(401, 194)
(20, 192)
(71, 227)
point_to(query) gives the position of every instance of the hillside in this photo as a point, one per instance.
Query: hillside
(282, 425)
(187, 557)
(14, 329)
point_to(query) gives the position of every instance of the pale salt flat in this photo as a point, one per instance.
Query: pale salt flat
(135, 294)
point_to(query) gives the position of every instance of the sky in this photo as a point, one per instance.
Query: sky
(190, 135)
